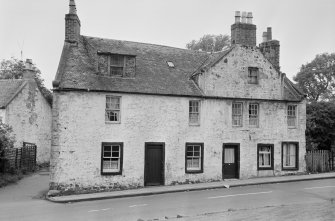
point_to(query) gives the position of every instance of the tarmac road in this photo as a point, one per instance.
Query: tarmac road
(305, 200)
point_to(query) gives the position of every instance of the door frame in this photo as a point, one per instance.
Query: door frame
(237, 157)
(162, 146)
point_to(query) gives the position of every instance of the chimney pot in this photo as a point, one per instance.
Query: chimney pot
(249, 18)
(244, 17)
(265, 36)
(29, 71)
(269, 31)
(237, 16)
(72, 8)
(29, 64)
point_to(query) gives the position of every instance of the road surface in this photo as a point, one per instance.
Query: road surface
(305, 200)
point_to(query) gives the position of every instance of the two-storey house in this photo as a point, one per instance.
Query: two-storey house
(129, 114)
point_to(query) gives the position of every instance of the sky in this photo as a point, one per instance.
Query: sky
(304, 28)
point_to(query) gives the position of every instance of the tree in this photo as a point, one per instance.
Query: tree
(14, 68)
(320, 126)
(317, 78)
(6, 138)
(209, 43)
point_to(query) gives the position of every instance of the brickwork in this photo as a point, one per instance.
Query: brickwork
(271, 50)
(29, 114)
(242, 33)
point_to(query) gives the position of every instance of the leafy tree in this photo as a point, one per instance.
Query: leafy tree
(209, 43)
(14, 68)
(6, 138)
(317, 78)
(320, 128)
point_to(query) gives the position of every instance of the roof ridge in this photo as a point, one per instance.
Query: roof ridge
(144, 43)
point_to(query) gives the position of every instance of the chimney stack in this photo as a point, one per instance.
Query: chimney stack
(270, 48)
(29, 70)
(72, 24)
(243, 31)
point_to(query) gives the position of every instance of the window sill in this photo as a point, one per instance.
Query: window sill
(194, 171)
(292, 127)
(237, 126)
(111, 173)
(265, 168)
(112, 122)
(289, 168)
(194, 125)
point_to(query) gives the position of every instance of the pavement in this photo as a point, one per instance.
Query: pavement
(188, 187)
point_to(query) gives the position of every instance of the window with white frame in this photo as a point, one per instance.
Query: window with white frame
(111, 160)
(237, 110)
(253, 115)
(253, 75)
(194, 158)
(292, 115)
(265, 156)
(116, 65)
(194, 112)
(112, 113)
(290, 153)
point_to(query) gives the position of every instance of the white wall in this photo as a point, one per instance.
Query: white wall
(3, 115)
(29, 115)
(79, 128)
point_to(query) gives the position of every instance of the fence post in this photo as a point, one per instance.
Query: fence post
(35, 152)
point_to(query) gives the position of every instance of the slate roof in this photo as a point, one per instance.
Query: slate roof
(8, 90)
(78, 68)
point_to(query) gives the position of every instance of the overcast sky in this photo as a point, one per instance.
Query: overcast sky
(303, 27)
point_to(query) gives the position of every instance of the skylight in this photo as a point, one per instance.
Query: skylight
(170, 64)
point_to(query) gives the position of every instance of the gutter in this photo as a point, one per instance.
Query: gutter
(173, 95)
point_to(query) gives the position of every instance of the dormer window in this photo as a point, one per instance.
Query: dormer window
(116, 65)
(253, 75)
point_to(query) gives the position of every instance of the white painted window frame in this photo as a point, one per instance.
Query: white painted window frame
(237, 115)
(118, 110)
(194, 112)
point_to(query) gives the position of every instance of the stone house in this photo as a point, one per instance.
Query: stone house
(129, 114)
(24, 107)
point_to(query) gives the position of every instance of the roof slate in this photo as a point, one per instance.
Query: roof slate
(8, 89)
(78, 68)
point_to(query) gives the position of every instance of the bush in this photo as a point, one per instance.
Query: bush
(6, 138)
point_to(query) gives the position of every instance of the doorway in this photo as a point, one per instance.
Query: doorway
(154, 164)
(230, 160)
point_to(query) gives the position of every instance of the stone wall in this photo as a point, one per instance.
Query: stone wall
(229, 77)
(29, 114)
(242, 33)
(79, 128)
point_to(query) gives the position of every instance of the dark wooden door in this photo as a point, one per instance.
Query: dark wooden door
(154, 164)
(230, 158)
